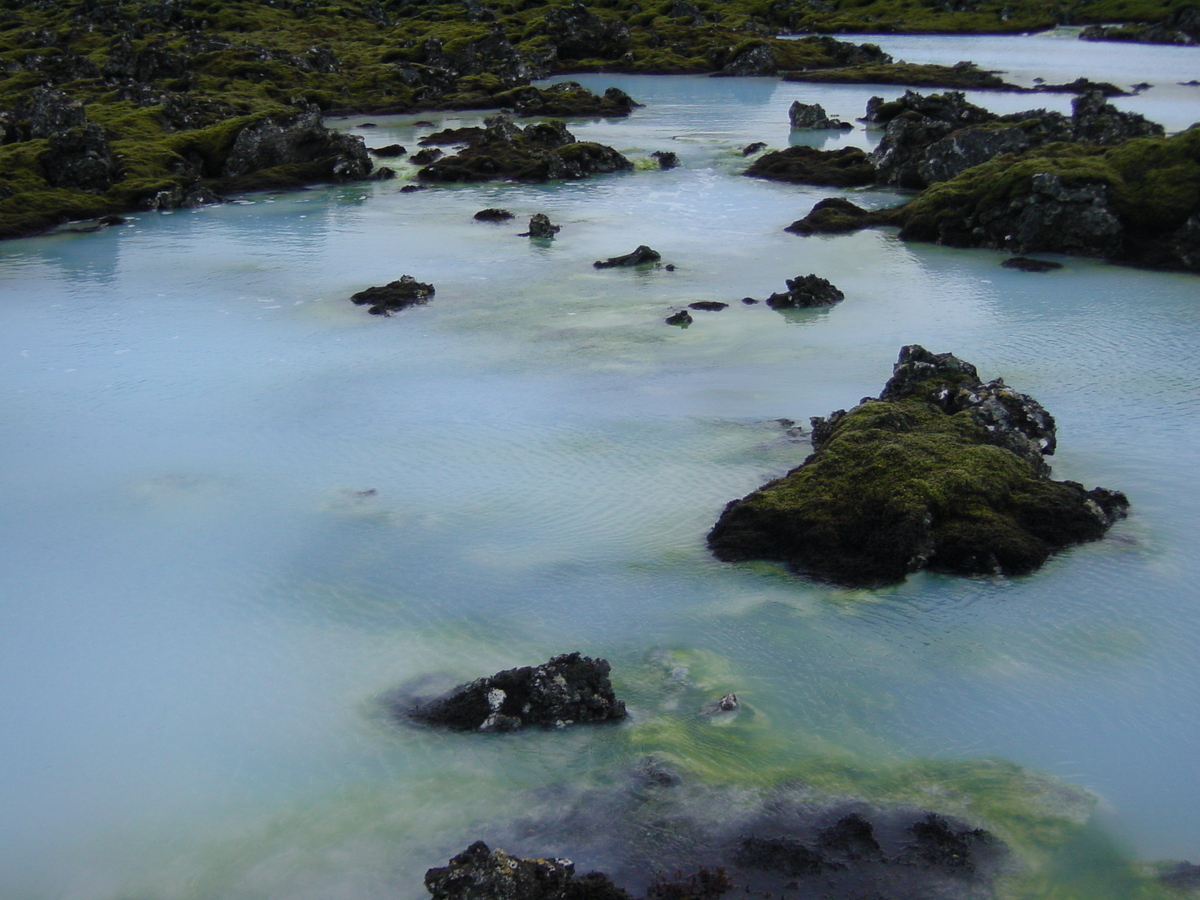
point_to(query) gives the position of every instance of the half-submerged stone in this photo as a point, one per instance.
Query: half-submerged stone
(942, 472)
(642, 256)
(568, 689)
(806, 292)
(396, 295)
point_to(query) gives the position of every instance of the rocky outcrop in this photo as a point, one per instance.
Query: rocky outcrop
(78, 155)
(540, 226)
(479, 873)
(806, 292)
(642, 256)
(941, 472)
(1182, 26)
(394, 296)
(845, 167)
(544, 151)
(567, 98)
(567, 690)
(302, 142)
(813, 115)
(578, 33)
(493, 214)
(836, 215)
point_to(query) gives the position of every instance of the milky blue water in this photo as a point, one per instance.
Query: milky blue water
(238, 509)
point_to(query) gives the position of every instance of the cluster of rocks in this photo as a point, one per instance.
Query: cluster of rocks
(1181, 26)
(542, 151)
(941, 472)
(567, 690)
(806, 292)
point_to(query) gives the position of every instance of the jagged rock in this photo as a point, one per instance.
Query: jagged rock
(1055, 218)
(851, 838)
(52, 112)
(757, 59)
(941, 472)
(833, 215)
(426, 156)
(465, 135)
(302, 141)
(567, 98)
(183, 112)
(1025, 264)
(482, 874)
(568, 689)
(396, 295)
(968, 147)
(667, 159)
(643, 255)
(806, 292)
(540, 226)
(578, 33)
(1095, 121)
(683, 318)
(543, 151)
(845, 167)
(153, 62)
(1081, 86)
(813, 115)
(80, 158)
(493, 214)
(388, 151)
(493, 54)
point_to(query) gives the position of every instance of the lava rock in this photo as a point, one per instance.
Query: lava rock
(708, 305)
(845, 167)
(479, 873)
(395, 295)
(941, 472)
(667, 159)
(682, 318)
(578, 33)
(1025, 264)
(813, 115)
(642, 256)
(568, 689)
(540, 226)
(751, 149)
(302, 141)
(426, 156)
(834, 215)
(389, 151)
(493, 214)
(806, 292)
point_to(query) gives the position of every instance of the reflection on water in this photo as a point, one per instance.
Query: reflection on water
(239, 510)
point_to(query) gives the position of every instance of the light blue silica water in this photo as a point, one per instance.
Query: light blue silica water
(239, 511)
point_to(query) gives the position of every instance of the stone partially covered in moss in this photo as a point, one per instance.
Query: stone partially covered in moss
(942, 472)
(544, 151)
(845, 167)
(837, 215)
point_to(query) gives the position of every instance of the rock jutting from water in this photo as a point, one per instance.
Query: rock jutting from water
(844, 167)
(567, 690)
(641, 256)
(543, 151)
(806, 292)
(493, 214)
(813, 116)
(396, 295)
(541, 227)
(942, 472)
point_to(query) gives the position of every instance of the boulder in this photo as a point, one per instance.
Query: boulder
(667, 159)
(578, 33)
(642, 256)
(388, 151)
(845, 167)
(682, 318)
(942, 472)
(1096, 121)
(303, 142)
(755, 147)
(543, 151)
(493, 214)
(834, 215)
(568, 689)
(708, 305)
(480, 873)
(395, 295)
(813, 115)
(540, 226)
(806, 292)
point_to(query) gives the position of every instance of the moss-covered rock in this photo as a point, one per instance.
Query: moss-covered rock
(942, 472)
(844, 167)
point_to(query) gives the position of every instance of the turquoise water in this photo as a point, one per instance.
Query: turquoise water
(203, 604)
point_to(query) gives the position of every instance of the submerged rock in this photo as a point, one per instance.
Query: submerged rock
(941, 472)
(708, 305)
(642, 256)
(492, 214)
(1025, 264)
(396, 295)
(806, 292)
(568, 689)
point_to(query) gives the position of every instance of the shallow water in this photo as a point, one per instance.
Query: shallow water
(239, 510)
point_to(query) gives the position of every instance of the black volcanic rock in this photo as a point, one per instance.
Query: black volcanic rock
(806, 292)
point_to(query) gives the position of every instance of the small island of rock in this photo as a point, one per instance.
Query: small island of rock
(942, 472)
